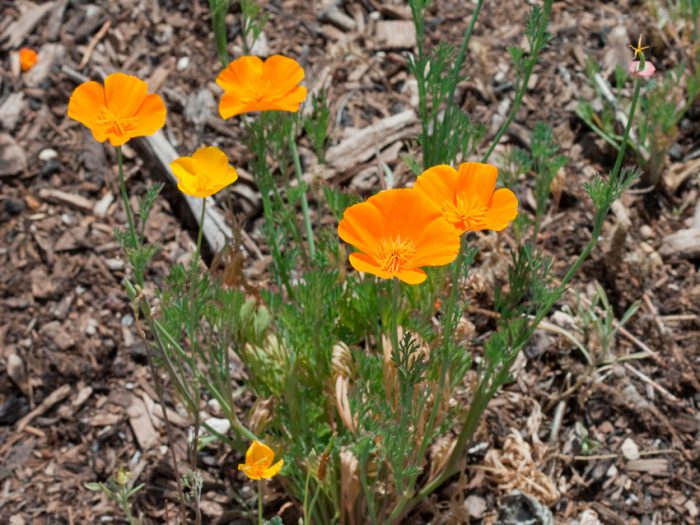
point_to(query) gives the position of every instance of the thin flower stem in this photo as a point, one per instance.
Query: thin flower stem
(395, 293)
(306, 496)
(260, 502)
(454, 74)
(125, 196)
(304, 201)
(198, 249)
(625, 137)
(613, 176)
(530, 62)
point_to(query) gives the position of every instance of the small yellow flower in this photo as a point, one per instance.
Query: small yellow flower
(638, 49)
(204, 173)
(122, 477)
(258, 459)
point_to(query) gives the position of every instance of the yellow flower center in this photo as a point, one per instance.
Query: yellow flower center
(395, 254)
(467, 212)
(118, 126)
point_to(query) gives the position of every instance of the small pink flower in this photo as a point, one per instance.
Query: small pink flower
(648, 71)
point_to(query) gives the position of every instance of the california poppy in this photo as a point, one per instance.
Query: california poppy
(258, 462)
(396, 232)
(119, 111)
(27, 58)
(204, 173)
(250, 84)
(467, 197)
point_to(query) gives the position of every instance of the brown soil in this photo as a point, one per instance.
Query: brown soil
(75, 410)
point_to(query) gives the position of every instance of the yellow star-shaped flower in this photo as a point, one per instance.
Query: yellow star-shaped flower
(639, 49)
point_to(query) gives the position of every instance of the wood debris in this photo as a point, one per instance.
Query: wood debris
(363, 144)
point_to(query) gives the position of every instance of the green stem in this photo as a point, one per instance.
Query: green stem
(395, 292)
(260, 502)
(306, 496)
(304, 200)
(198, 249)
(625, 137)
(125, 197)
(538, 44)
(454, 79)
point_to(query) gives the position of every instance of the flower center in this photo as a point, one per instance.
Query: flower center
(395, 254)
(468, 212)
(118, 126)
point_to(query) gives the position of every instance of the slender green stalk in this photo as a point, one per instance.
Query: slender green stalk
(395, 293)
(306, 495)
(260, 502)
(218, 21)
(626, 135)
(125, 197)
(304, 201)
(454, 77)
(538, 44)
(200, 233)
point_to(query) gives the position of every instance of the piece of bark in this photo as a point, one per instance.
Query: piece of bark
(71, 199)
(141, 423)
(333, 15)
(683, 243)
(53, 26)
(11, 109)
(395, 34)
(20, 28)
(653, 466)
(12, 157)
(365, 143)
(54, 397)
(679, 172)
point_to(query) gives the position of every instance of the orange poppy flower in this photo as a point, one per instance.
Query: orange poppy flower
(120, 111)
(467, 197)
(204, 173)
(396, 232)
(27, 58)
(250, 84)
(258, 462)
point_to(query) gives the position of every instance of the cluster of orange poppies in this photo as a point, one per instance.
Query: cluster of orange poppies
(396, 232)
(123, 109)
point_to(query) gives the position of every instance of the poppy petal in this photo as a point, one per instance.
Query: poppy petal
(503, 210)
(412, 276)
(231, 105)
(125, 93)
(248, 471)
(479, 179)
(438, 183)
(282, 75)
(243, 71)
(259, 454)
(151, 116)
(85, 103)
(362, 225)
(291, 101)
(273, 470)
(394, 205)
(437, 245)
(366, 264)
